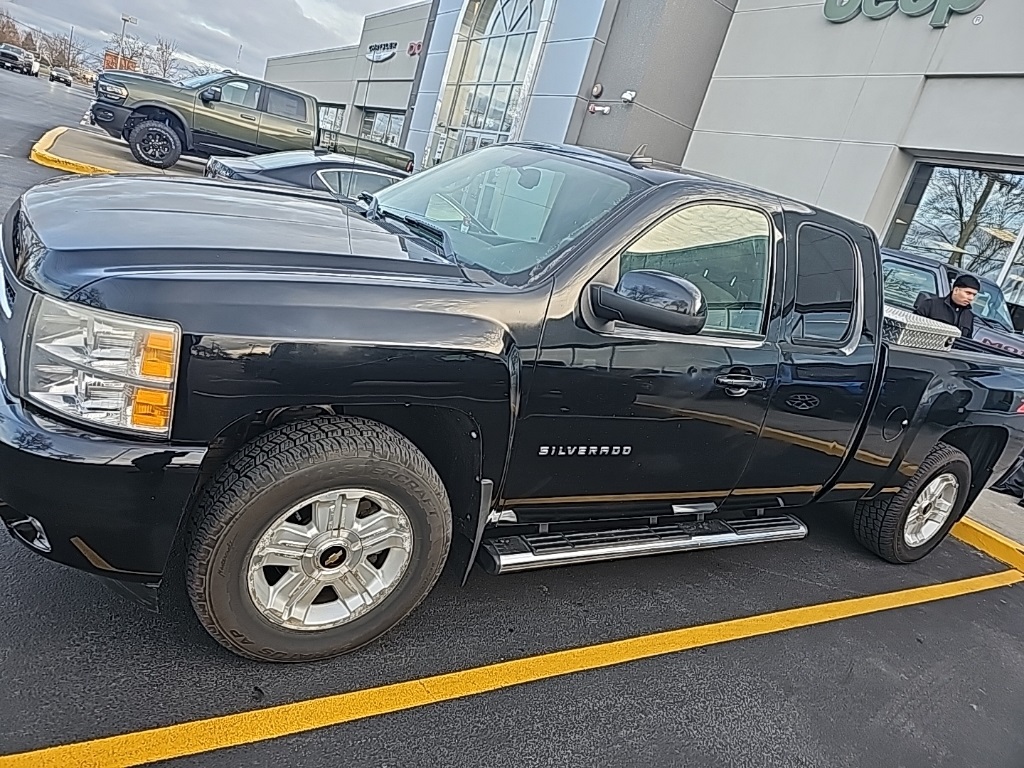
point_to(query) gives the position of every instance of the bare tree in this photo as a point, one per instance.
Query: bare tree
(60, 51)
(198, 70)
(28, 42)
(965, 213)
(8, 29)
(165, 57)
(135, 48)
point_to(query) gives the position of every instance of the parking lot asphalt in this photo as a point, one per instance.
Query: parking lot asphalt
(929, 684)
(29, 107)
(931, 674)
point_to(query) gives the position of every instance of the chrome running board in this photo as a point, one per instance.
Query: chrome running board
(525, 552)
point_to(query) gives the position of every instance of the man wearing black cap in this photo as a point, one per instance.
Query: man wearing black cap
(954, 309)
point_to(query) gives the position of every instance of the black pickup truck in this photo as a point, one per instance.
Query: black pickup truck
(545, 355)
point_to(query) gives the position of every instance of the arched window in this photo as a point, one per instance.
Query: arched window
(481, 101)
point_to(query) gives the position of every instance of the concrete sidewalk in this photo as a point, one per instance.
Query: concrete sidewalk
(1000, 513)
(91, 152)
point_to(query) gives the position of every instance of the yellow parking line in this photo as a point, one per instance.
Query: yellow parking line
(197, 737)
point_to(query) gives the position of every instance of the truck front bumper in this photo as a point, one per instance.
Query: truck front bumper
(110, 117)
(110, 506)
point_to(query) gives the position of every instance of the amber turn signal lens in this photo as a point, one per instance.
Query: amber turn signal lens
(151, 408)
(158, 356)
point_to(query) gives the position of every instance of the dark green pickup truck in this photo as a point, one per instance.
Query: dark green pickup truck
(217, 114)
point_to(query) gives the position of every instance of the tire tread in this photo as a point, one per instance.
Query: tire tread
(147, 124)
(877, 522)
(271, 457)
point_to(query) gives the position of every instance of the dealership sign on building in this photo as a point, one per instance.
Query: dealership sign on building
(840, 11)
(382, 51)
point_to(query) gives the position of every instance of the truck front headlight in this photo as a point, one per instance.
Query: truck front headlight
(107, 369)
(112, 91)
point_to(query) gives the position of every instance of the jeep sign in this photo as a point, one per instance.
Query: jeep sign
(840, 11)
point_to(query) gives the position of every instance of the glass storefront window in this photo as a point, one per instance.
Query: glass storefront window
(489, 62)
(968, 217)
(382, 127)
(331, 118)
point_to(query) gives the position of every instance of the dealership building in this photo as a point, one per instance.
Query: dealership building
(905, 114)
(363, 89)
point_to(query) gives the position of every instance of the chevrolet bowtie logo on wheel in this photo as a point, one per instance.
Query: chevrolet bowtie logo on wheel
(840, 11)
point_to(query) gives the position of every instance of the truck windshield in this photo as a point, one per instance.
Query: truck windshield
(510, 209)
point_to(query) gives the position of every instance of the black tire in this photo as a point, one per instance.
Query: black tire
(278, 470)
(879, 523)
(161, 135)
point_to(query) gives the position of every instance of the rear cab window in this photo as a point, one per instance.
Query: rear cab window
(826, 287)
(288, 105)
(903, 283)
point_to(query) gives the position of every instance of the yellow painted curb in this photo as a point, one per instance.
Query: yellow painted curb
(993, 544)
(41, 154)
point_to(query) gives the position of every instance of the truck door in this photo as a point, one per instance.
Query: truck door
(284, 122)
(231, 125)
(826, 370)
(630, 416)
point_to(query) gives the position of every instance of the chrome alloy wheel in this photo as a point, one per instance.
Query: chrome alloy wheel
(330, 559)
(931, 510)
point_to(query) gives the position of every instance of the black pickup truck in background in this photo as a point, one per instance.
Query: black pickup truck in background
(905, 276)
(543, 354)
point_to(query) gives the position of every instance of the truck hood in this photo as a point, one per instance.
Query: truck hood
(122, 76)
(86, 228)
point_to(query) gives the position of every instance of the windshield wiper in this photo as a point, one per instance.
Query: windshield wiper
(375, 212)
(415, 222)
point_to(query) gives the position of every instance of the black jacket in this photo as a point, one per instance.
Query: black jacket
(943, 309)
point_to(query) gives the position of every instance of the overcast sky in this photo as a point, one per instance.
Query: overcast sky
(211, 30)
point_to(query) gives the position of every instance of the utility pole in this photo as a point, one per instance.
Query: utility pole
(125, 21)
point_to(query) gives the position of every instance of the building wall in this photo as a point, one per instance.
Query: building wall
(403, 26)
(665, 51)
(325, 75)
(837, 114)
(435, 71)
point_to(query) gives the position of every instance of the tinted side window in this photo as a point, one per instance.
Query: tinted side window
(723, 250)
(339, 182)
(826, 280)
(369, 182)
(241, 93)
(285, 104)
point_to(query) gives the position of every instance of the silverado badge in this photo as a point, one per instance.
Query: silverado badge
(585, 450)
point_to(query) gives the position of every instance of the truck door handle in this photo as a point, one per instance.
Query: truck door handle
(247, 117)
(738, 384)
(304, 132)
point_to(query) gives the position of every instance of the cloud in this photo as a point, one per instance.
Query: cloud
(210, 30)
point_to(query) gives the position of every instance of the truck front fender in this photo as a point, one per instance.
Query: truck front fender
(156, 105)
